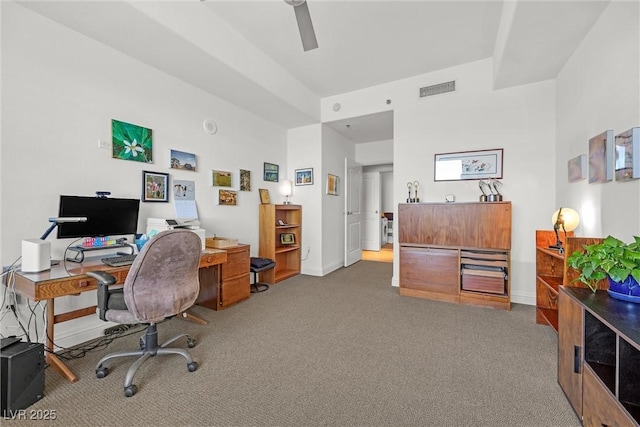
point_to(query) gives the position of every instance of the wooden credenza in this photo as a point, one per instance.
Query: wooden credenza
(599, 356)
(456, 252)
(234, 284)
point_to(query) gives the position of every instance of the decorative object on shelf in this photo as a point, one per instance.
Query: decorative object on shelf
(210, 126)
(285, 189)
(627, 146)
(227, 197)
(182, 160)
(155, 186)
(413, 185)
(264, 196)
(245, 180)
(287, 238)
(332, 184)
(495, 195)
(221, 178)
(131, 142)
(614, 259)
(468, 165)
(577, 168)
(304, 176)
(601, 157)
(482, 184)
(271, 172)
(568, 220)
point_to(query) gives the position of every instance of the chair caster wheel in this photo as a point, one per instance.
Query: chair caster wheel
(102, 372)
(193, 366)
(131, 390)
(191, 343)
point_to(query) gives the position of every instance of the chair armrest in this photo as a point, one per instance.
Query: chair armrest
(104, 281)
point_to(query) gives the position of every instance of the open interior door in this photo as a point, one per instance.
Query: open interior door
(371, 238)
(352, 212)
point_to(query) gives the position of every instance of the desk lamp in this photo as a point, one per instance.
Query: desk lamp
(568, 220)
(36, 253)
(285, 189)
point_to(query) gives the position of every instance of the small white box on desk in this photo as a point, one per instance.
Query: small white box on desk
(36, 255)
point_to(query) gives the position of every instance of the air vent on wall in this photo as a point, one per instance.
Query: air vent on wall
(438, 89)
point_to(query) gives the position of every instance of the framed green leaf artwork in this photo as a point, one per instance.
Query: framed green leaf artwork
(131, 142)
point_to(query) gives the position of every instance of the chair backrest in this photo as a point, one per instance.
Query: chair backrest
(163, 279)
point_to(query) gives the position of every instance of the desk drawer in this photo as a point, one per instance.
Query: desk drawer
(237, 263)
(235, 290)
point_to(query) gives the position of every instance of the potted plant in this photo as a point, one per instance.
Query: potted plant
(619, 262)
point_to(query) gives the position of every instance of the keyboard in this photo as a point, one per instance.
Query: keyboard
(119, 261)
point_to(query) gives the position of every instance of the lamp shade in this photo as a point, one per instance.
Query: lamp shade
(569, 219)
(285, 188)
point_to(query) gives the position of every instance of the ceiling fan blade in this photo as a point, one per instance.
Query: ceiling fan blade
(305, 26)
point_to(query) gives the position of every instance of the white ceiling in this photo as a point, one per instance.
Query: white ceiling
(250, 53)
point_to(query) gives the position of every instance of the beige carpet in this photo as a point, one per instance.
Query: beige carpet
(343, 350)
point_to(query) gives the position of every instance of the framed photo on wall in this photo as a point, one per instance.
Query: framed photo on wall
(271, 172)
(468, 165)
(264, 196)
(304, 176)
(155, 186)
(332, 184)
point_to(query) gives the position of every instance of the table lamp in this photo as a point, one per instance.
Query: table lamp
(566, 219)
(285, 189)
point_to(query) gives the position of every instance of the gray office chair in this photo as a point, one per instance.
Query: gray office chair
(162, 282)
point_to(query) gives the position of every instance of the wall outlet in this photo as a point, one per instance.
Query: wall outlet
(104, 144)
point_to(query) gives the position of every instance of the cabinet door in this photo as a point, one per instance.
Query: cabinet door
(600, 407)
(429, 269)
(570, 350)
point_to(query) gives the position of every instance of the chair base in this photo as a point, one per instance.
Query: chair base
(148, 348)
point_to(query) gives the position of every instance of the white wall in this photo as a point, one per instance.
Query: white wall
(60, 92)
(335, 148)
(520, 120)
(305, 151)
(375, 153)
(597, 90)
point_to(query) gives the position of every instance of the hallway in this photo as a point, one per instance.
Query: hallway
(384, 255)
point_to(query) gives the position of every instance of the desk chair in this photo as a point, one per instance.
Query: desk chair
(162, 282)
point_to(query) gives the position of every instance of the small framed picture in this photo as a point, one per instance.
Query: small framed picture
(271, 172)
(245, 180)
(304, 176)
(287, 238)
(182, 160)
(332, 184)
(227, 197)
(155, 186)
(264, 196)
(221, 178)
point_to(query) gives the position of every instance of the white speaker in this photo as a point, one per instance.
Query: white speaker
(36, 255)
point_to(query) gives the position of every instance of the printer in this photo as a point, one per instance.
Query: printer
(156, 225)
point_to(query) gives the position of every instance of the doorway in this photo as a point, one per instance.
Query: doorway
(379, 200)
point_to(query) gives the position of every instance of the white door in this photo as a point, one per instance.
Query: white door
(371, 211)
(353, 212)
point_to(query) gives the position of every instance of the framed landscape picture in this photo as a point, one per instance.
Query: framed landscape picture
(182, 160)
(601, 157)
(577, 168)
(271, 172)
(221, 178)
(304, 176)
(332, 184)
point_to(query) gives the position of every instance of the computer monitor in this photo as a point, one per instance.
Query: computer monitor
(105, 216)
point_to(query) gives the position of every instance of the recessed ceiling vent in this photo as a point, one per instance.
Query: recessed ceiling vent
(438, 89)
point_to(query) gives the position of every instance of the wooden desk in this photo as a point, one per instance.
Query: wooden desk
(72, 280)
